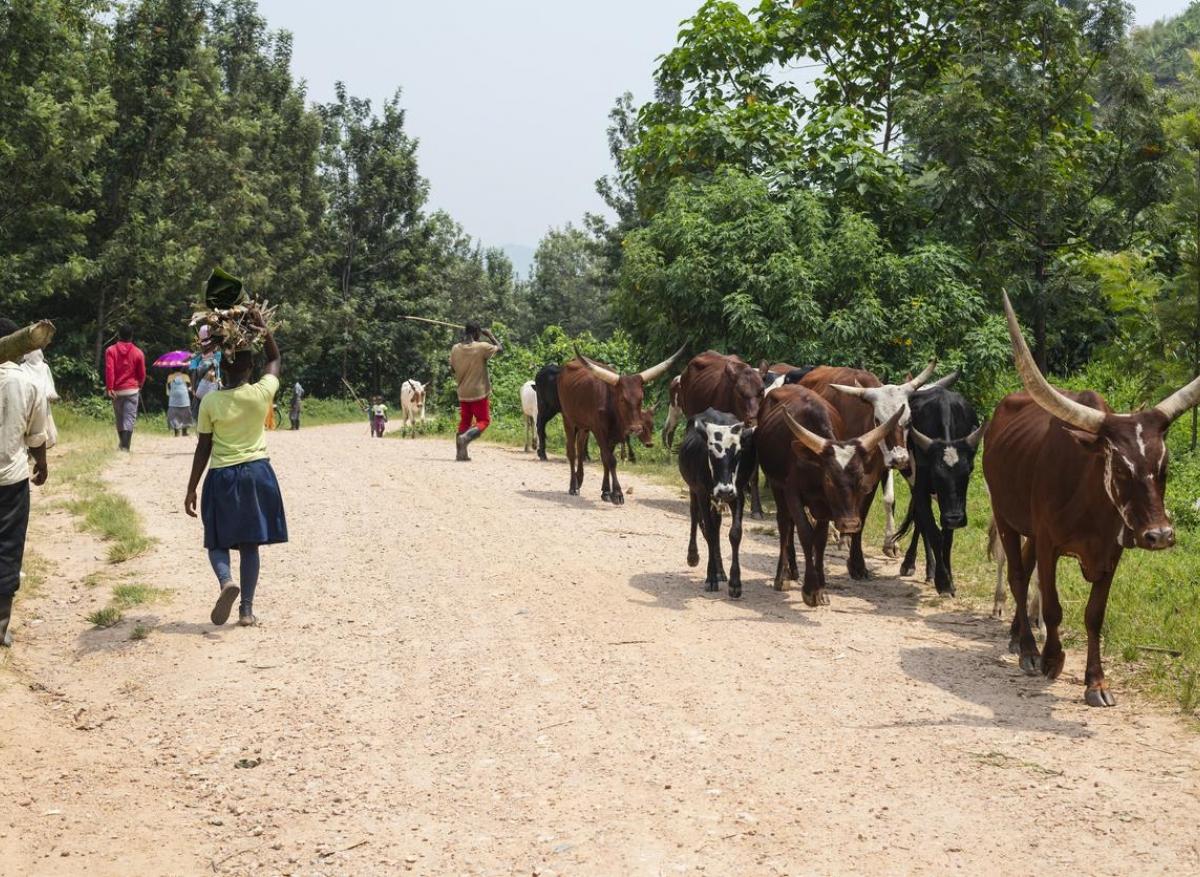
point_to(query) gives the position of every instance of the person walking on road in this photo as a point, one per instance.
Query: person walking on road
(242, 507)
(124, 375)
(469, 361)
(179, 403)
(294, 411)
(22, 434)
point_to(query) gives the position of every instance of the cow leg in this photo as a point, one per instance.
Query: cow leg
(735, 542)
(1097, 693)
(1052, 651)
(1021, 639)
(573, 462)
(712, 536)
(943, 562)
(889, 505)
(606, 487)
(609, 455)
(632, 455)
(693, 554)
(856, 563)
(812, 540)
(714, 514)
(783, 522)
(931, 533)
(542, 420)
(909, 565)
(525, 420)
(756, 510)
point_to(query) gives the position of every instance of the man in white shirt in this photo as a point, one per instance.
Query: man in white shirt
(22, 434)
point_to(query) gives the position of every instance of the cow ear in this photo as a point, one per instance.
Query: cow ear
(736, 429)
(1089, 440)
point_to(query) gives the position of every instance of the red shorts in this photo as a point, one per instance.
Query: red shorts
(479, 411)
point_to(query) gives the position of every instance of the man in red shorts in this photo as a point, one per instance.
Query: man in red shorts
(468, 360)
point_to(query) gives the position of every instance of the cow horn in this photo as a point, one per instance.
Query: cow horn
(860, 392)
(976, 437)
(655, 372)
(609, 377)
(923, 441)
(1181, 400)
(915, 384)
(870, 440)
(810, 440)
(1068, 410)
(945, 382)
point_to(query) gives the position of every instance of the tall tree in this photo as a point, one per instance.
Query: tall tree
(568, 286)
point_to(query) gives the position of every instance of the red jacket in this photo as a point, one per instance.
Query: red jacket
(124, 367)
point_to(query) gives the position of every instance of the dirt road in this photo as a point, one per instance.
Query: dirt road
(463, 670)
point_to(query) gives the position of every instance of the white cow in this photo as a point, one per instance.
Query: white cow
(529, 410)
(412, 404)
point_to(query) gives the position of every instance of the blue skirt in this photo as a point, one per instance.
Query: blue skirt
(241, 505)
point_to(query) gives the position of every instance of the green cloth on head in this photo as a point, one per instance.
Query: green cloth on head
(223, 290)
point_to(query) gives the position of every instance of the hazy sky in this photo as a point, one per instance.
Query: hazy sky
(509, 98)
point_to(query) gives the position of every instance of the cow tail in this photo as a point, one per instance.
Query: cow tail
(906, 524)
(993, 541)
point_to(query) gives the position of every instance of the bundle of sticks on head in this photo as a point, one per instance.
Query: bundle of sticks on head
(227, 321)
(22, 341)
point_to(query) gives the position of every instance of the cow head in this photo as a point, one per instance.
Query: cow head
(887, 401)
(418, 391)
(747, 392)
(629, 391)
(949, 464)
(844, 477)
(724, 438)
(1133, 446)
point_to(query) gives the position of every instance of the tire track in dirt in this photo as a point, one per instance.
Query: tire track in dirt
(464, 670)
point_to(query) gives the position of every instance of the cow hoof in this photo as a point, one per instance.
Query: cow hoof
(735, 590)
(721, 577)
(693, 559)
(890, 550)
(997, 610)
(1099, 697)
(574, 491)
(618, 499)
(711, 586)
(778, 585)
(605, 496)
(860, 575)
(1053, 665)
(1014, 646)
(946, 592)
(1031, 665)
(906, 570)
(815, 598)
(757, 514)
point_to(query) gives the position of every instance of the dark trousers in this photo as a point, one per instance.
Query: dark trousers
(14, 521)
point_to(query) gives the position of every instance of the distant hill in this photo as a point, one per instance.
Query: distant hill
(522, 258)
(1164, 45)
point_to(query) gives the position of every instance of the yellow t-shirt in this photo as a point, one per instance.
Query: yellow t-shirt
(235, 418)
(469, 362)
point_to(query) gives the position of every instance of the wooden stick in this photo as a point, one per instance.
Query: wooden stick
(458, 326)
(22, 341)
(352, 393)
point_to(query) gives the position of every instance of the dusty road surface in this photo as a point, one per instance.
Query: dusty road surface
(463, 670)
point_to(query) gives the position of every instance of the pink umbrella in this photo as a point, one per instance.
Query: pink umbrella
(174, 359)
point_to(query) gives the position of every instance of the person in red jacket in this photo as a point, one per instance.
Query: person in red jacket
(124, 374)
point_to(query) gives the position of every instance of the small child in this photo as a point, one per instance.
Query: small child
(378, 416)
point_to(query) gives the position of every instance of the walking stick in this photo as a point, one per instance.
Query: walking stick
(458, 326)
(352, 393)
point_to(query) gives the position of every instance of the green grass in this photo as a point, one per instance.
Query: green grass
(106, 617)
(139, 632)
(135, 594)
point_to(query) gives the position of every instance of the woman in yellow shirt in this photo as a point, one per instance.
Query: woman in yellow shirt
(242, 507)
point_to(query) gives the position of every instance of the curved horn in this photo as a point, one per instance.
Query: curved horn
(810, 440)
(1181, 400)
(976, 437)
(860, 392)
(871, 440)
(1077, 415)
(922, 441)
(945, 382)
(913, 385)
(609, 377)
(655, 372)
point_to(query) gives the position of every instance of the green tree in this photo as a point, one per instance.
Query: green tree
(567, 286)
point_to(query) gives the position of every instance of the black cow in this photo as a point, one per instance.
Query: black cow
(545, 384)
(716, 459)
(943, 436)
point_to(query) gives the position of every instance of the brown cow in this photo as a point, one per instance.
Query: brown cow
(597, 400)
(863, 401)
(1074, 478)
(813, 470)
(724, 383)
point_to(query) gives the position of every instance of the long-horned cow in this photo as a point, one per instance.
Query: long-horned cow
(863, 401)
(597, 400)
(412, 404)
(942, 439)
(1076, 478)
(814, 469)
(716, 460)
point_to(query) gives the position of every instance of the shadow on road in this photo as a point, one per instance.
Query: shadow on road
(678, 590)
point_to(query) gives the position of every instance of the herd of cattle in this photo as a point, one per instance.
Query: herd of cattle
(1066, 475)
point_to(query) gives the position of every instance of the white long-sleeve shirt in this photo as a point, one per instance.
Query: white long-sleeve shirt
(22, 422)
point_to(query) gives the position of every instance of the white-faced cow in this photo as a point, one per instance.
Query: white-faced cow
(412, 404)
(529, 411)
(1074, 477)
(716, 460)
(674, 413)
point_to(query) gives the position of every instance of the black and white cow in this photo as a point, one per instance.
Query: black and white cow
(716, 459)
(943, 435)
